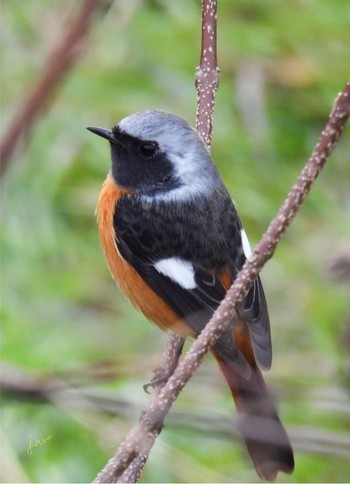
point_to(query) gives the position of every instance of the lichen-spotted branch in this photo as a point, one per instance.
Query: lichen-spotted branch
(140, 439)
(207, 74)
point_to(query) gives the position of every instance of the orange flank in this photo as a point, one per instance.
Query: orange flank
(127, 278)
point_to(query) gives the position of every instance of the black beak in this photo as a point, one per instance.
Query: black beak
(103, 132)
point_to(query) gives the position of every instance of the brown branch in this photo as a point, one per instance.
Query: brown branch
(169, 361)
(170, 358)
(328, 140)
(141, 438)
(207, 74)
(25, 386)
(57, 65)
(206, 81)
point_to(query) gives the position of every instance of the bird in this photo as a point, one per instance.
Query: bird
(174, 244)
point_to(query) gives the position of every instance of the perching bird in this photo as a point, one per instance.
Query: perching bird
(174, 244)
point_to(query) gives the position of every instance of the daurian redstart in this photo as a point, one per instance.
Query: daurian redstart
(174, 244)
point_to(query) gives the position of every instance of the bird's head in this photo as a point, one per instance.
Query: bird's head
(157, 153)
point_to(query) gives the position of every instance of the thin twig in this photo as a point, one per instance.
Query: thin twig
(58, 63)
(141, 438)
(207, 74)
(170, 358)
(206, 81)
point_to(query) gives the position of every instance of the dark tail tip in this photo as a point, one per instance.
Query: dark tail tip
(268, 470)
(268, 445)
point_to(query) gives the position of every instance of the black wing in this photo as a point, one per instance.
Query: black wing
(255, 313)
(195, 306)
(143, 244)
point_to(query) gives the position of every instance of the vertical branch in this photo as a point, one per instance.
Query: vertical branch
(124, 467)
(207, 74)
(131, 457)
(206, 82)
(57, 64)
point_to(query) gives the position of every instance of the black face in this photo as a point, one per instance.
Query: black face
(140, 165)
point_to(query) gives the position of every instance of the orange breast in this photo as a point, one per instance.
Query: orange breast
(127, 278)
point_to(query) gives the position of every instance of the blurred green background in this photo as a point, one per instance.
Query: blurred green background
(66, 328)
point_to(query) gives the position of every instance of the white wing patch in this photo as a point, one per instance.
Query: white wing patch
(179, 270)
(245, 243)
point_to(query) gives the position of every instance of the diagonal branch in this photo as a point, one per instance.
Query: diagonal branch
(58, 63)
(140, 439)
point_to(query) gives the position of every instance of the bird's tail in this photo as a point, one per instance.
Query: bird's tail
(266, 439)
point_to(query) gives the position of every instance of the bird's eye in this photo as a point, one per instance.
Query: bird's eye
(148, 149)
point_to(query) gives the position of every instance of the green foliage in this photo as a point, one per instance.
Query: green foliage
(60, 309)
